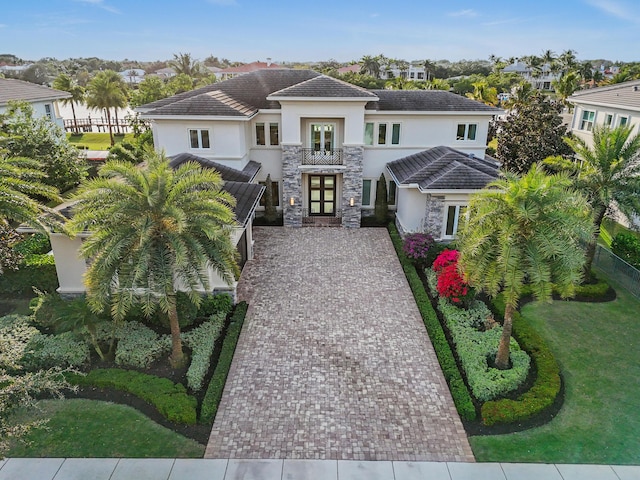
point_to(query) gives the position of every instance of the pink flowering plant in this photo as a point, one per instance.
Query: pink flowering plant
(416, 246)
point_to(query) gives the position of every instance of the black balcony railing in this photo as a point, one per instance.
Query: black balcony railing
(311, 156)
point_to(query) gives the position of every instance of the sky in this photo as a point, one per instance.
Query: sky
(302, 30)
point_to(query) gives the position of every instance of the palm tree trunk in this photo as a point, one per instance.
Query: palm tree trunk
(591, 246)
(115, 109)
(502, 358)
(75, 120)
(110, 128)
(177, 356)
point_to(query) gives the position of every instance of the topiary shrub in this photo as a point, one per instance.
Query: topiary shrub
(139, 346)
(381, 207)
(202, 341)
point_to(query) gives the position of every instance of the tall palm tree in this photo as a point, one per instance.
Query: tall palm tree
(524, 229)
(567, 60)
(153, 228)
(20, 186)
(482, 92)
(608, 173)
(184, 63)
(65, 83)
(107, 90)
(565, 86)
(370, 66)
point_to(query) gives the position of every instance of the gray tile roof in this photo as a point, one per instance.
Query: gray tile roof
(252, 168)
(324, 87)
(11, 89)
(251, 89)
(208, 103)
(444, 168)
(626, 95)
(427, 100)
(228, 174)
(244, 95)
(247, 196)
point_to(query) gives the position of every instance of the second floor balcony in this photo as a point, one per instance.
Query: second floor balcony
(311, 156)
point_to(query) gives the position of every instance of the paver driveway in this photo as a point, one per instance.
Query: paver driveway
(334, 361)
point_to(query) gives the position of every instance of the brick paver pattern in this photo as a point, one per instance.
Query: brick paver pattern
(333, 361)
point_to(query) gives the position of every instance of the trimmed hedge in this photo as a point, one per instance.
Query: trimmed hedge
(546, 387)
(171, 400)
(216, 385)
(202, 341)
(50, 351)
(459, 390)
(37, 271)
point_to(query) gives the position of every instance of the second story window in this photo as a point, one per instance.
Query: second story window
(48, 111)
(466, 131)
(273, 134)
(199, 138)
(588, 118)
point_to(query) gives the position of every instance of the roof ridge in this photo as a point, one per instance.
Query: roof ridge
(606, 88)
(323, 76)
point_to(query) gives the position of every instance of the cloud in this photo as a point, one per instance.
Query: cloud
(615, 9)
(374, 15)
(464, 13)
(102, 5)
(505, 22)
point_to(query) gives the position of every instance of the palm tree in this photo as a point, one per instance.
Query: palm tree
(524, 230)
(153, 228)
(607, 173)
(482, 92)
(107, 90)
(65, 83)
(565, 86)
(20, 185)
(370, 66)
(567, 60)
(183, 63)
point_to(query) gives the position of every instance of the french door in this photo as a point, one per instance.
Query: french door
(322, 194)
(323, 137)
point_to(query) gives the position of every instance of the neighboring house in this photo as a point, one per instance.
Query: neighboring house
(355, 68)
(71, 267)
(133, 76)
(44, 100)
(414, 71)
(166, 72)
(14, 69)
(539, 79)
(325, 144)
(612, 105)
(232, 72)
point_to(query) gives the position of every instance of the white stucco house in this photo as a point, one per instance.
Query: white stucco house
(541, 79)
(325, 143)
(44, 100)
(611, 106)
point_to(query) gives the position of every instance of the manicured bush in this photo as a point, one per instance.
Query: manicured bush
(33, 244)
(35, 271)
(171, 400)
(216, 385)
(139, 346)
(593, 291)
(476, 346)
(546, 386)
(202, 341)
(50, 351)
(459, 390)
(627, 247)
(214, 304)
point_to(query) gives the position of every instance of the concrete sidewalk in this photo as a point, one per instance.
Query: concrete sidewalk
(234, 469)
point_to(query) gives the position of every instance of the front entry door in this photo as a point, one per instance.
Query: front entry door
(322, 195)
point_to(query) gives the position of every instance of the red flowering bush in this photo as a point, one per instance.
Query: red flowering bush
(416, 246)
(451, 285)
(447, 257)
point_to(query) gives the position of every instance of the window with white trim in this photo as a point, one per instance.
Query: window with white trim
(608, 120)
(453, 215)
(385, 135)
(588, 117)
(391, 193)
(467, 131)
(48, 111)
(273, 137)
(368, 133)
(623, 121)
(199, 138)
(366, 193)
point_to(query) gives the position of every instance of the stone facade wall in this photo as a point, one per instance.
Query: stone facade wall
(434, 216)
(291, 185)
(352, 186)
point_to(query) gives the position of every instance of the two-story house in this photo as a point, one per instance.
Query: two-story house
(44, 100)
(325, 144)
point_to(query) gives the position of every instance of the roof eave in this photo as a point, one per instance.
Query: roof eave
(435, 112)
(278, 98)
(240, 118)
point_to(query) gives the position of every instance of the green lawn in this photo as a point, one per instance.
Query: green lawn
(90, 428)
(97, 141)
(598, 348)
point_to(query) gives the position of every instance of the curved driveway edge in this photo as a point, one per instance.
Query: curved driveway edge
(333, 361)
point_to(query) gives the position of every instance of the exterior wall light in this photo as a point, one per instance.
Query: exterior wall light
(352, 202)
(292, 201)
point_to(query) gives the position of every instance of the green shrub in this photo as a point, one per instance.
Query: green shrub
(546, 387)
(202, 341)
(171, 400)
(216, 385)
(34, 244)
(215, 304)
(187, 313)
(139, 346)
(49, 351)
(593, 291)
(37, 271)
(475, 347)
(459, 390)
(627, 247)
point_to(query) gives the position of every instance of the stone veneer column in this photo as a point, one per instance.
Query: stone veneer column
(434, 216)
(292, 185)
(352, 186)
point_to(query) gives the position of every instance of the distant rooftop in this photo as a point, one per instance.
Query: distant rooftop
(11, 89)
